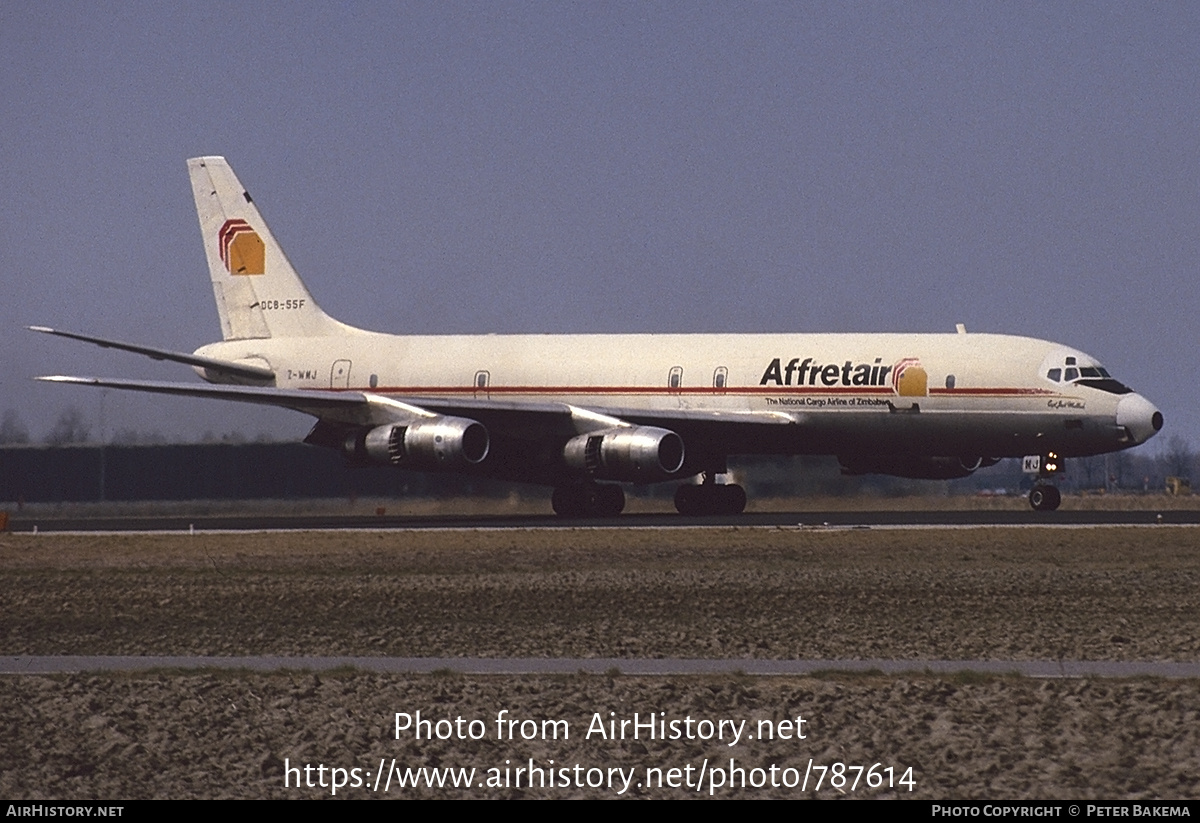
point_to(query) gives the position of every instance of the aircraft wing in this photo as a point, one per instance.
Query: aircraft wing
(545, 420)
(534, 420)
(244, 371)
(606, 416)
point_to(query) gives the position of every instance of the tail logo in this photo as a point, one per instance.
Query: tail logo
(242, 250)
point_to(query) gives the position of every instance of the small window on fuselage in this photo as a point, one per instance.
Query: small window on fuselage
(1054, 374)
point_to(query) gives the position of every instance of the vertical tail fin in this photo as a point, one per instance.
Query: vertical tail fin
(258, 292)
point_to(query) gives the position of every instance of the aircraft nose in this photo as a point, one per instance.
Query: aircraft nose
(1139, 417)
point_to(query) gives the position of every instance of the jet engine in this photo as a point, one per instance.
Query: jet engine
(917, 467)
(425, 443)
(636, 454)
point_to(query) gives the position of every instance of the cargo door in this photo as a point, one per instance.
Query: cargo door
(339, 375)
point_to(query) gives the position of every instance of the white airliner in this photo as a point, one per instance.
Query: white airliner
(570, 410)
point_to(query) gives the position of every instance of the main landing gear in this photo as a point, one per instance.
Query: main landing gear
(588, 500)
(710, 498)
(608, 500)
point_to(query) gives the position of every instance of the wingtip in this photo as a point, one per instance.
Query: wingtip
(64, 378)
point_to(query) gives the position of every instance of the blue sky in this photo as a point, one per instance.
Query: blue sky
(605, 167)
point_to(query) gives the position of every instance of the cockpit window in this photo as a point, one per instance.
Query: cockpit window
(1092, 376)
(1106, 384)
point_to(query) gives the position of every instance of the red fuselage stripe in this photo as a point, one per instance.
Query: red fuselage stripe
(702, 390)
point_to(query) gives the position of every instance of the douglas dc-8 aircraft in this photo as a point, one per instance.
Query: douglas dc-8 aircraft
(570, 410)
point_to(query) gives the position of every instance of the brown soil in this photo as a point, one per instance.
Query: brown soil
(1031, 593)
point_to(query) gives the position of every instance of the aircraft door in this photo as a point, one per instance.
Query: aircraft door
(675, 379)
(483, 380)
(720, 378)
(675, 384)
(339, 375)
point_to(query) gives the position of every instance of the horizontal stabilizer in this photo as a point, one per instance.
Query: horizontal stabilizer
(349, 407)
(317, 403)
(243, 371)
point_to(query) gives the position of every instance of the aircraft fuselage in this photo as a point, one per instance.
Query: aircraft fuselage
(980, 394)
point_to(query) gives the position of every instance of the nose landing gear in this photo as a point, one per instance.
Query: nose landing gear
(1044, 497)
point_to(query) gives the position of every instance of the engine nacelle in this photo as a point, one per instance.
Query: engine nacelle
(636, 454)
(916, 467)
(426, 443)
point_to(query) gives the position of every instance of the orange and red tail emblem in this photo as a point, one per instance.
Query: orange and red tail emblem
(242, 250)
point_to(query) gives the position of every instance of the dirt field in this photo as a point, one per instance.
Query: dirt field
(1028, 593)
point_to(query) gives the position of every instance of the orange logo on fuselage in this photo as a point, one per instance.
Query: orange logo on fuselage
(909, 378)
(242, 250)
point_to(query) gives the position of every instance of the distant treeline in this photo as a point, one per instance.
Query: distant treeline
(214, 471)
(222, 471)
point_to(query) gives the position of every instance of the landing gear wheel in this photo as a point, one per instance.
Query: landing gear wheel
(570, 501)
(608, 501)
(688, 500)
(731, 498)
(710, 499)
(1044, 498)
(588, 500)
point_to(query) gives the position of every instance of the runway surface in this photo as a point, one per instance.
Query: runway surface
(61, 664)
(19, 523)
